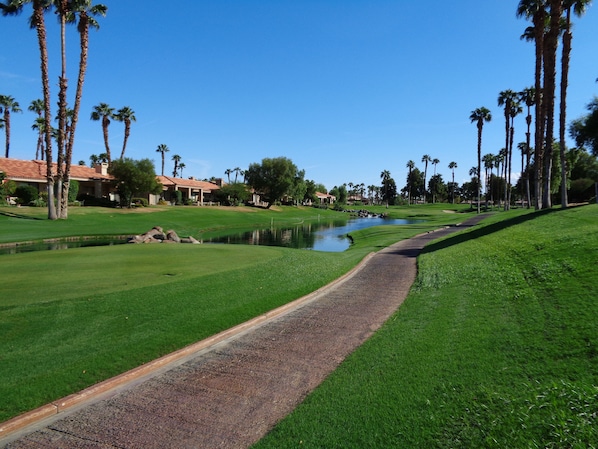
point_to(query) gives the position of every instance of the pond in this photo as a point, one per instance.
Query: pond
(328, 236)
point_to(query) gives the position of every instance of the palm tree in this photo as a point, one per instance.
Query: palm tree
(7, 105)
(479, 116)
(550, 55)
(410, 166)
(86, 12)
(536, 11)
(104, 113)
(385, 176)
(435, 162)
(507, 98)
(528, 96)
(236, 170)
(176, 158)
(488, 160)
(579, 8)
(452, 166)
(126, 115)
(163, 149)
(39, 125)
(181, 166)
(37, 106)
(228, 172)
(425, 159)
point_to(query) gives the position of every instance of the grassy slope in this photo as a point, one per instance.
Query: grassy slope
(496, 346)
(72, 318)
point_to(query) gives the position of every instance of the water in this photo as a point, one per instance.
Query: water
(329, 236)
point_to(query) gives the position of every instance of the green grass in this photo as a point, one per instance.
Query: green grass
(72, 318)
(495, 347)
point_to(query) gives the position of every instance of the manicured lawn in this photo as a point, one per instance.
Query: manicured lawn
(495, 347)
(72, 318)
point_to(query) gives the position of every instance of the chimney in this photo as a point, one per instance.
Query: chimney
(102, 168)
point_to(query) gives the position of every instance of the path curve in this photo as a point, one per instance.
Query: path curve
(231, 395)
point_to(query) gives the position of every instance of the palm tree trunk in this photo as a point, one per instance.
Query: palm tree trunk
(127, 132)
(479, 163)
(540, 109)
(563, 108)
(40, 26)
(62, 105)
(556, 9)
(7, 130)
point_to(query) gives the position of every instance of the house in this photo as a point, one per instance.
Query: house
(325, 198)
(95, 182)
(200, 192)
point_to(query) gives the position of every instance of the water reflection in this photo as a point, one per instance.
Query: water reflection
(328, 236)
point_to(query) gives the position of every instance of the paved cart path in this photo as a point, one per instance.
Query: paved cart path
(231, 395)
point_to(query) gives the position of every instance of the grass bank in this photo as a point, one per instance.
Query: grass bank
(75, 317)
(495, 346)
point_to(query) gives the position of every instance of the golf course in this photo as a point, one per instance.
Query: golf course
(495, 346)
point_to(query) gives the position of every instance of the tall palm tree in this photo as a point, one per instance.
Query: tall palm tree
(104, 113)
(528, 97)
(39, 125)
(125, 115)
(181, 167)
(37, 106)
(488, 160)
(236, 170)
(385, 176)
(228, 172)
(516, 109)
(535, 10)
(507, 98)
(452, 166)
(7, 105)
(163, 149)
(425, 159)
(435, 162)
(550, 52)
(579, 8)
(479, 116)
(410, 166)
(176, 158)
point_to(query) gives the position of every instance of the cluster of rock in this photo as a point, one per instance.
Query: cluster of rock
(157, 235)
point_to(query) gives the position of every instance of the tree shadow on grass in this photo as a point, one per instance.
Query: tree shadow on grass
(483, 230)
(14, 215)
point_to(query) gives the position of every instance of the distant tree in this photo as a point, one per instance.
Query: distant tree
(228, 172)
(134, 178)
(410, 166)
(176, 158)
(528, 97)
(438, 188)
(232, 194)
(125, 115)
(181, 167)
(426, 159)
(37, 106)
(310, 191)
(104, 113)
(435, 162)
(273, 178)
(340, 192)
(162, 149)
(389, 190)
(7, 105)
(479, 116)
(452, 166)
(585, 129)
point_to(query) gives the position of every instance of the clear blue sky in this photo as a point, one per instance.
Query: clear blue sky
(344, 88)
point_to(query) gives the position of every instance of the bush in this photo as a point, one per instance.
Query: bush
(73, 190)
(26, 194)
(143, 202)
(178, 197)
(89, 200)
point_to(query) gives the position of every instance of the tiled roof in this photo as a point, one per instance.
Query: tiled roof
(187, 183)
(19, 170)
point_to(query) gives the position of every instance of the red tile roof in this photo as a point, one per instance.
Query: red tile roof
(19, 170)
(187, 183)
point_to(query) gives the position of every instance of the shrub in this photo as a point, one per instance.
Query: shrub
(178, 197)
(73, 190)
(26, 194)
(143, 202)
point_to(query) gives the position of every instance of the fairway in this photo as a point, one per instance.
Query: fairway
(495, 346)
